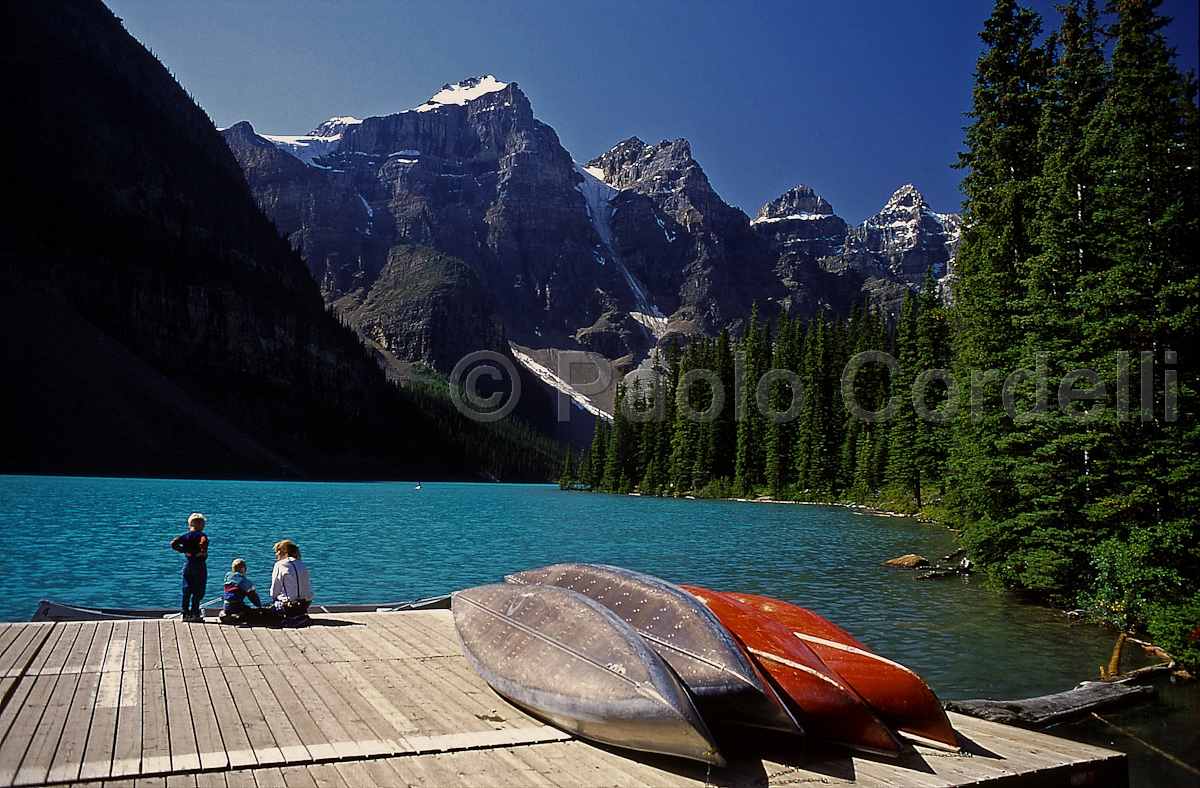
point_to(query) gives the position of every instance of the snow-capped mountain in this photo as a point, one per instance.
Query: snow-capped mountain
(612, 256)
(907, 237)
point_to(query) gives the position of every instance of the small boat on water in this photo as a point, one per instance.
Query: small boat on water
(898, 696)
(58, 611)
(726, 685)
(572, 662)
(829, 708)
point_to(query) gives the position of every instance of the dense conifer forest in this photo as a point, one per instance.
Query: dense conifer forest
(1044, 403)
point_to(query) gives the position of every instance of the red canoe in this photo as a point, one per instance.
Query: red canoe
(898, 696)
(829, 708)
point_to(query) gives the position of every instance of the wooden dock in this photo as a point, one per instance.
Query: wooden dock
(383, 699)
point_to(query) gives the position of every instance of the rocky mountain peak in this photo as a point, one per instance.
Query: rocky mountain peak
(907, 200)
(662, 168)
(799, 203)
(334, 127)
(907, 236)
(801, 225)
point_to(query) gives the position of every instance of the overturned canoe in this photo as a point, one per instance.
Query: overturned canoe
(829, 708)
(726, 685)
(570, 661)
(898, 696)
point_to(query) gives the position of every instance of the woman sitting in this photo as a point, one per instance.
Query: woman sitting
(291, 589)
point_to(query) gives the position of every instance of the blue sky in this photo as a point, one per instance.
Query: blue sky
(854, 99)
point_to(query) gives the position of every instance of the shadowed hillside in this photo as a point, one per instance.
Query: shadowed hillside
(154, 322)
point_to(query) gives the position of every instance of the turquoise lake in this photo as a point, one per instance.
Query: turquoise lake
(104, 542)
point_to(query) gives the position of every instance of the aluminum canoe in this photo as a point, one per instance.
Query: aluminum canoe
(726, 685)
(570, 661)
(829, 708)
(897, 694)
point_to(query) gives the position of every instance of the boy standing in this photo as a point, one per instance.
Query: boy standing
(193, 544)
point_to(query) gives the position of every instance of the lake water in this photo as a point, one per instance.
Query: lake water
(104, 542)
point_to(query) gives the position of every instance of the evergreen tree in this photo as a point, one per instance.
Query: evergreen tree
(1144, 293)
(931, 353)
(780, 432)
(904, 466)
(815, 458)
(750, 459)
(620, 448)
(999, 207)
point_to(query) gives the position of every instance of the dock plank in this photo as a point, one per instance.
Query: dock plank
(53, 692)
(301, 715)
(18, 644)
(430, 636)
(329, 646)
(263, 747)
(383, 773)
(391, 688)
(350, 676)
(97, 756)
(185, 748)
(298, 777)
(127, 742)
(23, 707)
(341, 732)
(269, 778)
(288, 725)
(209, 743)
(231, 649)
(78, 729)
(155, 735)
(326, 775)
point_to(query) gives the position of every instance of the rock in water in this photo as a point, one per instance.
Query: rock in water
(910, 561)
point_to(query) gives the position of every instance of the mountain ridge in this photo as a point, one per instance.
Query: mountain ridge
(613, 257)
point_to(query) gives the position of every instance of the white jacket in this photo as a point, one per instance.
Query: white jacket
(289, 581)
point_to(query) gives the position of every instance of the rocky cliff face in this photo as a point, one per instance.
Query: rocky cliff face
(695, 257)
(425, 306)
(801, 223)
(472, 174)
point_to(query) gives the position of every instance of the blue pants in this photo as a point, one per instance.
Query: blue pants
(195, 578)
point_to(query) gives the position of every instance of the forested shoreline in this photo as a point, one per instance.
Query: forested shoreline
(1044, 403)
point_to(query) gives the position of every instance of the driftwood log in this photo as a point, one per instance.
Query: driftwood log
(1048, 709)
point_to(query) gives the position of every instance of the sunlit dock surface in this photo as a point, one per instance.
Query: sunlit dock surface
(362, 699)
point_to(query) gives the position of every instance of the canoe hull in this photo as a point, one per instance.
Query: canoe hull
(569, 661)
(828, 707)
(897, 694)
(726, 685)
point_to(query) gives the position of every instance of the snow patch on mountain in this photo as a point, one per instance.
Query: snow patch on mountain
(460, 94)
(550, 378)
(319, 142)
(597, 195)
(798, 216)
